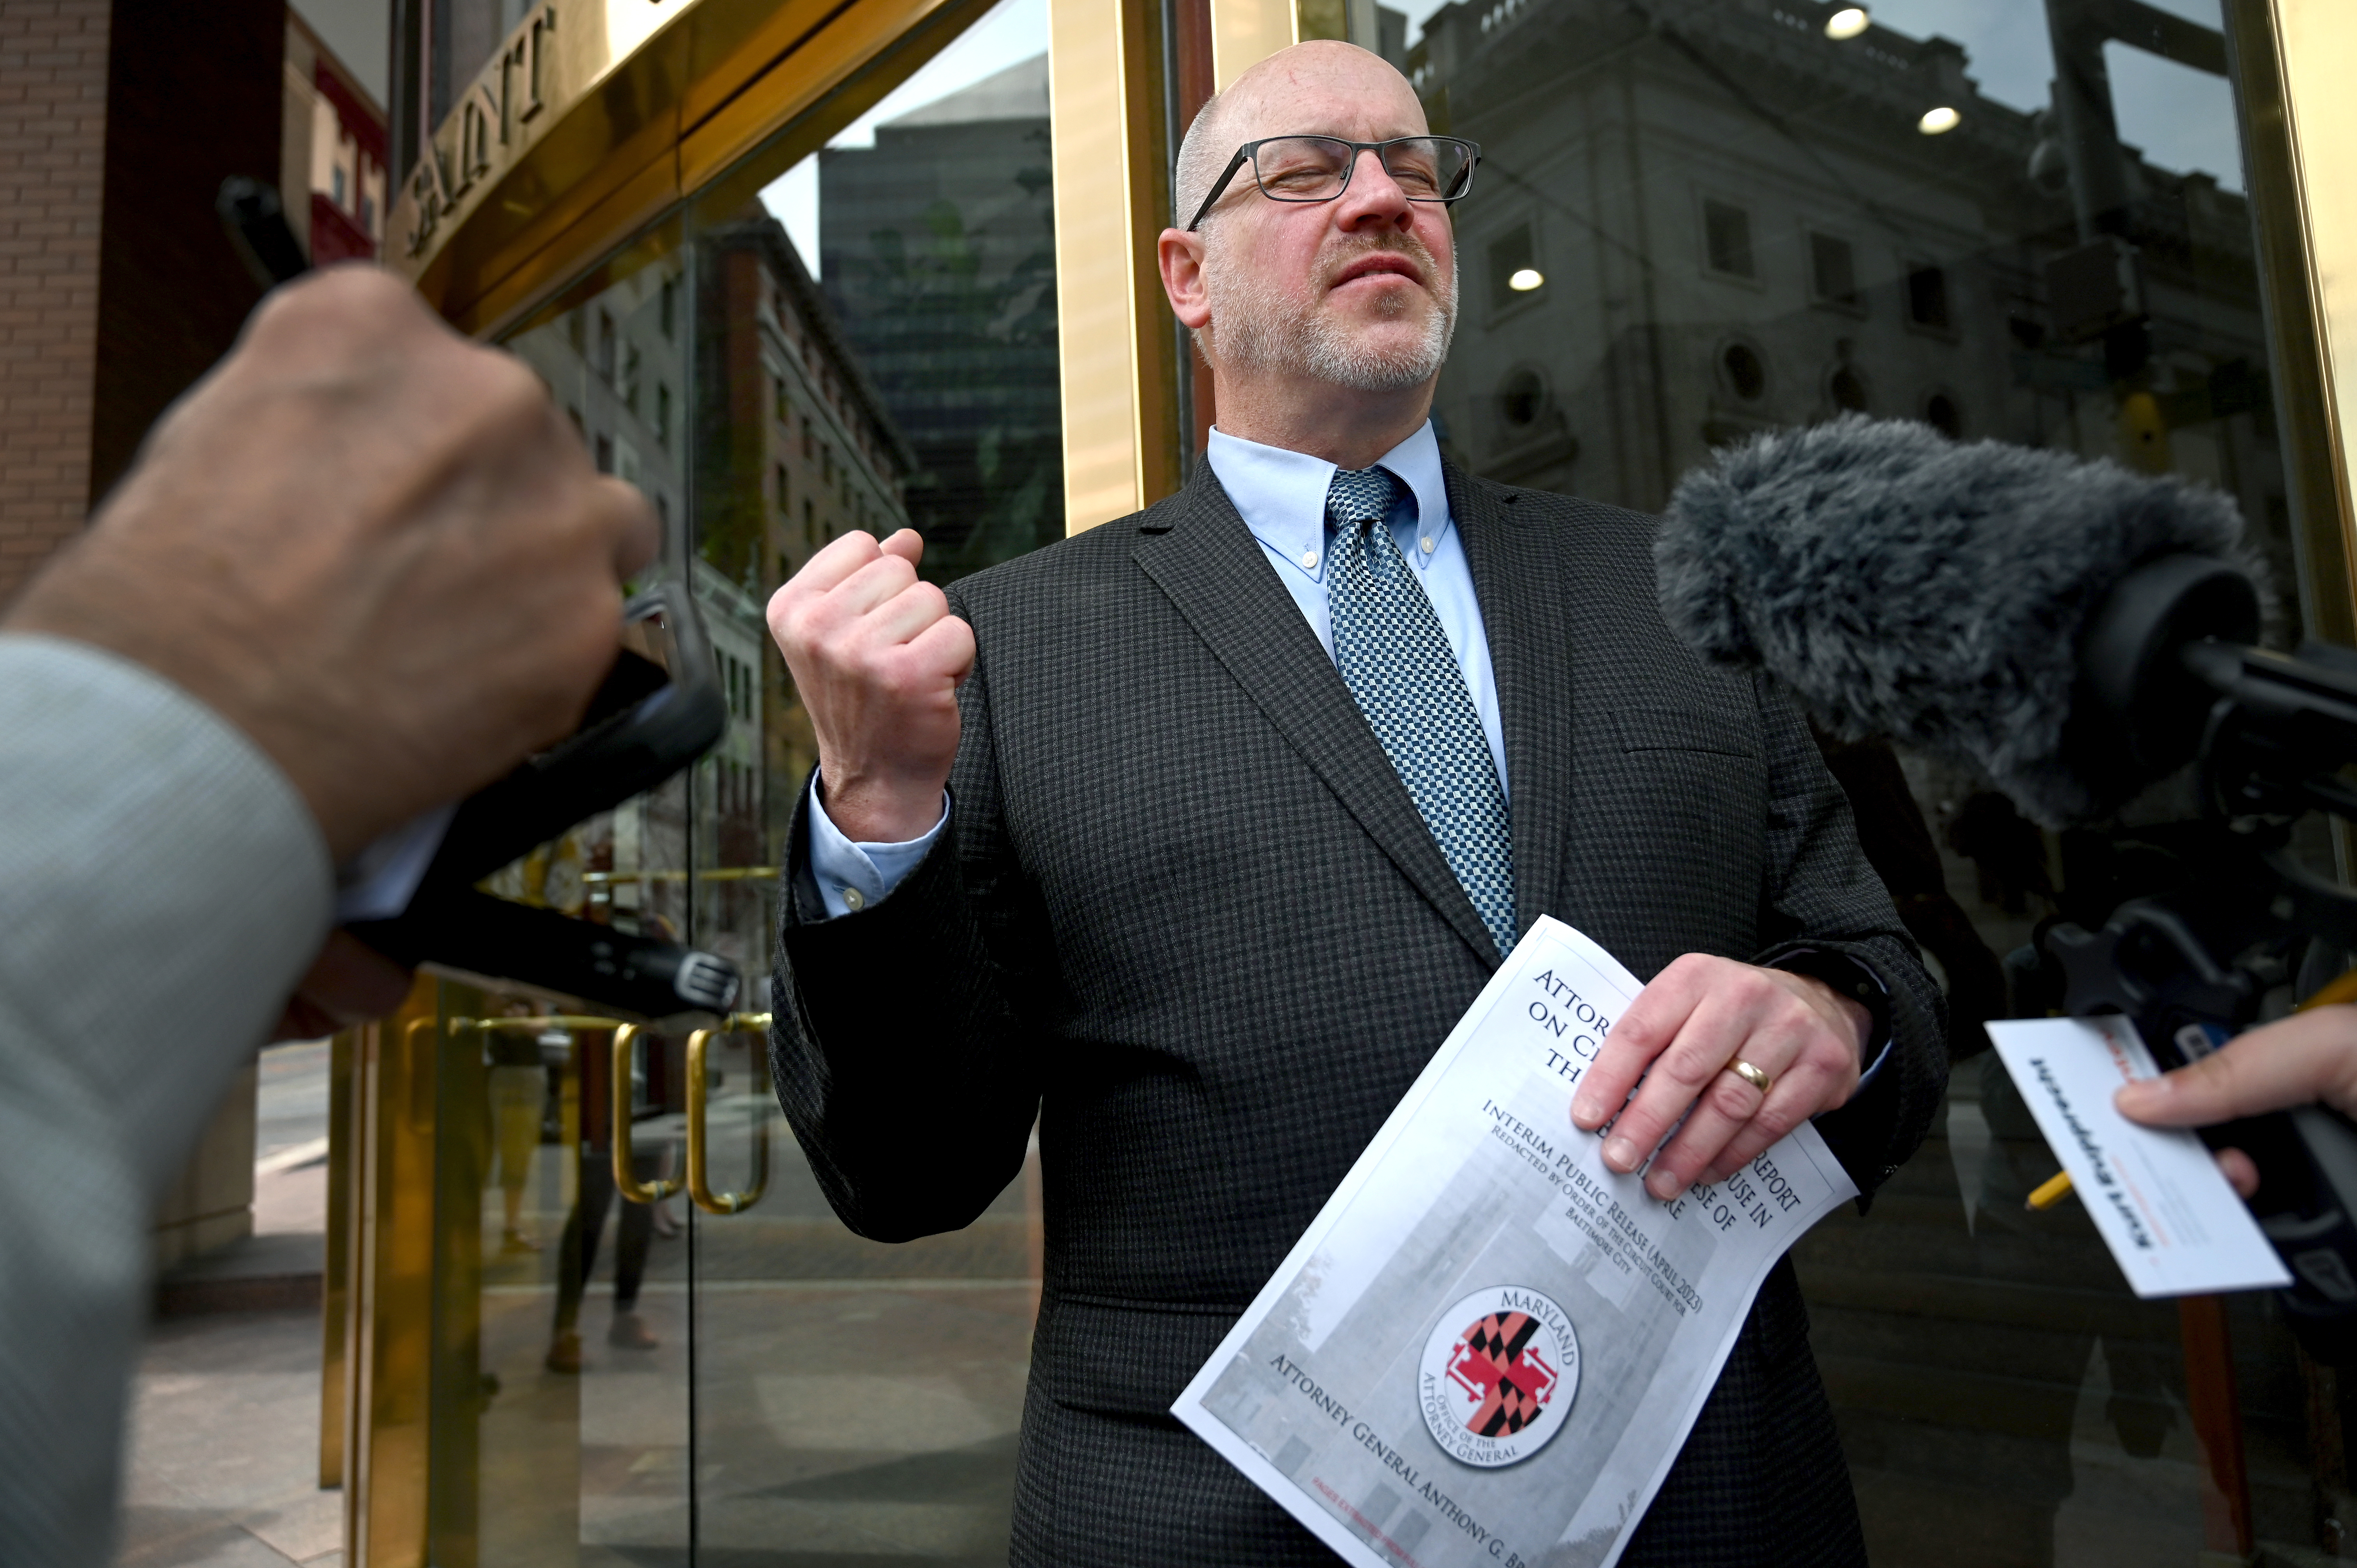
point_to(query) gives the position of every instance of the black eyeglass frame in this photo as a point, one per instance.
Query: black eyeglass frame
(1249, 153)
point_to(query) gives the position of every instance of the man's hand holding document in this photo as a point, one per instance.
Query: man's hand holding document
(1489, 1348)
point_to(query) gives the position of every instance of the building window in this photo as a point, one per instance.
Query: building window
(667, 307)
(1514, 269)
(1941, 413)
(1745, 371)
(1522, 399)
(1727, 239)
(631, 378)
(785, 407)
(1833, 271)
(1847, 388)
(605, 349)
(783, 504)
(810, 443)
(810, 524)
(663, 415)
(1927, 296)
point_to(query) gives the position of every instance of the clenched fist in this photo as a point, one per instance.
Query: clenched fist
(878, 658)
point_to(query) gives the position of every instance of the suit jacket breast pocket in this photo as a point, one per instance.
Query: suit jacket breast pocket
(1670, 822)
(1688, 729)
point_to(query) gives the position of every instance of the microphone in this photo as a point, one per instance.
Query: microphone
(1981, 602)
(2076, 632)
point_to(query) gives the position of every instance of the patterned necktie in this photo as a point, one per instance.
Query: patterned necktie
(1396, 660)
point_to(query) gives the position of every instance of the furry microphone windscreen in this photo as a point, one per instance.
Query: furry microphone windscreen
(1907, 587)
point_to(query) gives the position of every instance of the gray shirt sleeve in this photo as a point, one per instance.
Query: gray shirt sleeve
(162, 887)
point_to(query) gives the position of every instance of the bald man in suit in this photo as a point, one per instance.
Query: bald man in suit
(1194, 835)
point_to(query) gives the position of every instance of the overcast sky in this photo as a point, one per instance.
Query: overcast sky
(1013, 31)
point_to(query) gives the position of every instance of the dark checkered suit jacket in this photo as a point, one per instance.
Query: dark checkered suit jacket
(1187, 912)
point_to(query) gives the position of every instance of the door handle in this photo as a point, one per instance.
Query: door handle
(626, 1180)
(699, 1184)
(625, 1037)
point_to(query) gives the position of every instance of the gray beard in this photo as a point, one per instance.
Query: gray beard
(1251, 326)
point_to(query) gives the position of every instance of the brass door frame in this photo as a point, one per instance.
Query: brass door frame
(591, 123)
(592, 120)
(2299, 130)
(583, 140)
(1121, 359)
(1116, 354)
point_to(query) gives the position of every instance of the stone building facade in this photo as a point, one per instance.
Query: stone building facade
(1740, 225)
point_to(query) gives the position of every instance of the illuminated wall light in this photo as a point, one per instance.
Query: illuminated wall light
(1525, 279)
(1848, 22)
(1937, 122)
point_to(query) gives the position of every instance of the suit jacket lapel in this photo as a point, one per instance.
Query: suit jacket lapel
(1199, 551)
(1516, 577)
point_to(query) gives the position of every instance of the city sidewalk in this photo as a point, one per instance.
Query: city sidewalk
(221, 1459)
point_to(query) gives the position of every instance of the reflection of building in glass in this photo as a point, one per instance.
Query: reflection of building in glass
(616, 363)
(333, 146)
(939, 252)
(1699, 219)
(729, 797)
(795, 447)
(1723, 220)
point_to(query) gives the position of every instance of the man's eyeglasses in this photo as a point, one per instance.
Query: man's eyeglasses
(1319, 168)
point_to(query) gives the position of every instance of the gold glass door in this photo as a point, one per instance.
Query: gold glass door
(2024, 220)
(876, 333)
(791, 272)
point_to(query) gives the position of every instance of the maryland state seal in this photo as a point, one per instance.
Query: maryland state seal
(1498, 1376)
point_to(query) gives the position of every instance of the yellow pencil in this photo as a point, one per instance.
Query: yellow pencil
(2051, 1192)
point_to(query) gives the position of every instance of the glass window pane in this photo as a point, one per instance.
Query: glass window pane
(1734, 221)
(875, 336)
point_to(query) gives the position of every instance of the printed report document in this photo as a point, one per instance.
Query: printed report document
(1487, 1348)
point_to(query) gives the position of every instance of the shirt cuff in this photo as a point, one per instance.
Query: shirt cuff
(1849, 976)
(851, 877)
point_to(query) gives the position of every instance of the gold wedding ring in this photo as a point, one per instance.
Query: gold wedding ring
(1750, 1074)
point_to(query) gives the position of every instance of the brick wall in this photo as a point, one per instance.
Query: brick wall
(53, 72)
(195, 95)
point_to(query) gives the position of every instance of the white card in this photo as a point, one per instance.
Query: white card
(2156, 1194)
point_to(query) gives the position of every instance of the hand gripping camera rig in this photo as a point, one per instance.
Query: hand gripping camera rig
(2169, 676)
(659, 709)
